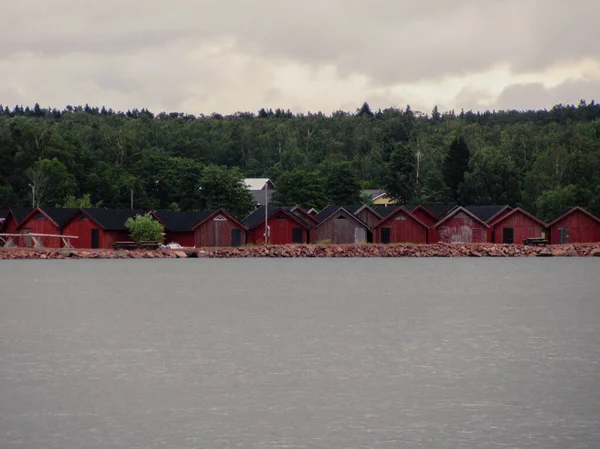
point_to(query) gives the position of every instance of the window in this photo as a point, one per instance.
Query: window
(220, 218)
(508, 235)
(281, 217)
(83, 218)
(39, 217)
(341, 217)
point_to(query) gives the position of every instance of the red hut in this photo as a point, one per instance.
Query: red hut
(401, 227)
(337, 225)
(48, 221)
(574, 225)
(99, 227)
(515, 226)
(431, 213)
(206, 228)
(460, 226)
(285, 227)
(12, 220)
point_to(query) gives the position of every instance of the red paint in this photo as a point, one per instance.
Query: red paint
(524, 226)
(39, 223)
(460, 226)
(187, 238)
(216, 230)
(424, 215)
(81, 225)
(404, 228)
(282, 225)
(582, 227)
(9, 226)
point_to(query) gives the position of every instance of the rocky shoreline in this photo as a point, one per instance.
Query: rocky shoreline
(369, 250)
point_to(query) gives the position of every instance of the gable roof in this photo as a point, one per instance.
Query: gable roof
(257, 183)
(498, 220)
(395, 213)
(180, 221)
(18, 214)
(439, 210)
(258, 216)
(111, 219)
(297, 210)
(554, 218)
(330, 211)
(487, 213)
(259, 196)
(569, 211)
(456, 211)
(59, 216)
(374, 193)
(384, 211)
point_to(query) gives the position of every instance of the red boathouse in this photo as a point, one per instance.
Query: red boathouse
(100, 227)
(516, 226)
(401, 227)
(203, 228)
(285, 227)
(460, 226)
(574, 225)
(47, 220)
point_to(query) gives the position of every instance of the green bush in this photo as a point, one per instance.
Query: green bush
(144, 228)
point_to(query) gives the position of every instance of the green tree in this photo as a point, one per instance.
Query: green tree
(50, 182)
(72, 201)
(342, 184)
(552, 202)
(144, 228)
(221, 187)
(400, 177)
(455, 165)
(300, 187)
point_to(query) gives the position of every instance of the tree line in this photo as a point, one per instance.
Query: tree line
(541, 160)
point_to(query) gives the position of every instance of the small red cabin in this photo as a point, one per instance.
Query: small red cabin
(460, 226)
(284, 227)
(99, 227)
(48, 221)
(205, 228)
(401, 227)
(339, 226)
(574, 225)
(13, 219)
(516, 226)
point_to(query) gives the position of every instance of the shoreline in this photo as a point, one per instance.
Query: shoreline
(306, 251)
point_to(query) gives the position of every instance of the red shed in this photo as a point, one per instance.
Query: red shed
(13, 218)
(100, 227)
(47, 220)
(460, 226)
(285, 227)
(515, 226)
(337, 225)
(574, 225)
(401, 227)
(205, 228)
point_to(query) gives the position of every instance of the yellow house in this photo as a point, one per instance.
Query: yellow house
(379, 197)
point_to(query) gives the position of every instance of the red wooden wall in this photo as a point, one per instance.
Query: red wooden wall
(368, 217)
(403, 229)
(38, 223)
(582, 229)
(81, 225)
(281, 226)
(523, 227)
(424, 217)
(461, 228)
(216, 231)
(340, 229)
(185, 238)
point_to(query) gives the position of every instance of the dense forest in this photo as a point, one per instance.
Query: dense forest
(541, 160)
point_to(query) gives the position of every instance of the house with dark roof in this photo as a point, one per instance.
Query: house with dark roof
(378, 197)
(284, 226)
(460, 226)
(99, 227)
(574, 225)
(13, 219)
(48, 221)
(303, 215)
(489, 213)
(430, 213)
(203, 228)
(515, 226)
(338, 225)
(401, 226)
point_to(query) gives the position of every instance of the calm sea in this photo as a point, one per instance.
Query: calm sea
(303, 353)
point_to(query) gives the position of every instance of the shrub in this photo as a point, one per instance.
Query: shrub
(144, 228)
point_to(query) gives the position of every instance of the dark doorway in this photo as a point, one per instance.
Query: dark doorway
(297, 235)
(563, 235)
(236, 237)
(508, 235)
(95, 238)
(386, 235)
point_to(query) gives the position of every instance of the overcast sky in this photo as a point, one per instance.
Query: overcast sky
(204, 56)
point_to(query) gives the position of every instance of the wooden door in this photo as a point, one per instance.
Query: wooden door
(386, 235)
(508, 235)
(236, 237)
(297, 235)
(95, 239)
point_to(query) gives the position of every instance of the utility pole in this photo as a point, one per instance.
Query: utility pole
(266, 216)
(131, 199)
(32, 195)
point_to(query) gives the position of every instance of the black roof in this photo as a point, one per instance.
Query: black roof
(437, 209)
(327, 212)
(484, 213)
(60, 215)
(181, 221)
(3, 213)
(19, 213)
(384, 211)
(562, 212)
(258, 215)
(112, 219)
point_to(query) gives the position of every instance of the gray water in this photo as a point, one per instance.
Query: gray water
(304, 353)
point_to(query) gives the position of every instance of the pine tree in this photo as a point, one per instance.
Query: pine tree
(455, 165)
